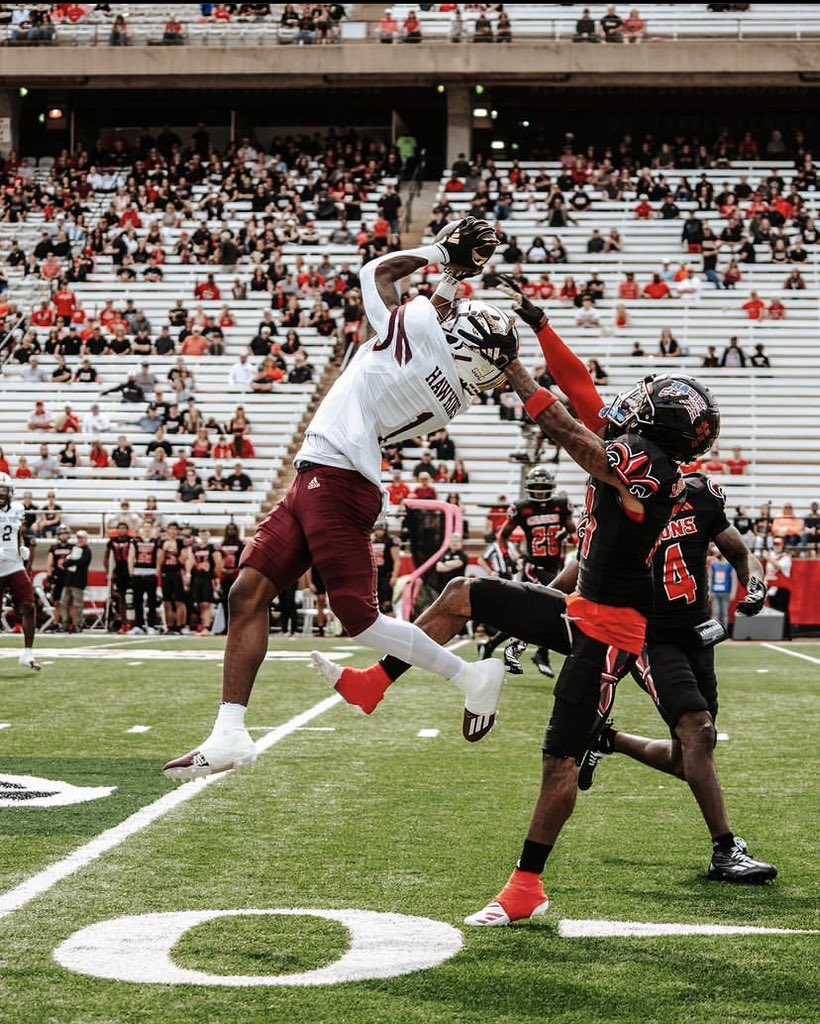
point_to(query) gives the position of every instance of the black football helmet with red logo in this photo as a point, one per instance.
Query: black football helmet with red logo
(677, 413)
(540, 484)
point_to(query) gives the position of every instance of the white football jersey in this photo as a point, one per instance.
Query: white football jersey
(401, 384)
(10, 522)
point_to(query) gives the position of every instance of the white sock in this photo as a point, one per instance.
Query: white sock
(406, 641)
(230, 716)
(28, 654)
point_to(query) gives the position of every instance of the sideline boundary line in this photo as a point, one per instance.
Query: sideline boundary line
(46, 879)
(794, 654)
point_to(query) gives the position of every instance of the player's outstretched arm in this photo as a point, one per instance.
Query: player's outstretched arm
(567, 370)
(748, 568)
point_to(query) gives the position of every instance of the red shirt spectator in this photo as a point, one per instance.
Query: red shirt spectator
(65, 302)
(78, 317)
(644, 210)
(629, 289)
(222, 451)
(776, 311)
(425, 493)
(714, 465)
(98, 456)
(737, 466)
(569, 290)
(23, 472)
(43, 317)
(657, 289)
(397, 491)
(248, 451)
(755, 307)
(4, 466)
(131, 217)
(181, 467)
(455, 184)
(208, 289)
(195, 345)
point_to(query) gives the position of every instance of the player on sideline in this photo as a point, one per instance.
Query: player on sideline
(13, 575)
(634, 488)
(414, 376)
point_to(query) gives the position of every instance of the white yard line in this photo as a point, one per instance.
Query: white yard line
(794, 654)
(458, 644)
(570, 929)
(84, 855)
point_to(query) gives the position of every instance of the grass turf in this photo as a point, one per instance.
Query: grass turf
(372, 817)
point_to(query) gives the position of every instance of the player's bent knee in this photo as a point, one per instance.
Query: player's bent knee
(455, 597)
(250, 592)
(696, 729)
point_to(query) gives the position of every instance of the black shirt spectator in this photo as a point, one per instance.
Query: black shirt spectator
(239, 480)
(692, 233)
(759, 357)
(612, 25)
(596, 242)
(585, 29)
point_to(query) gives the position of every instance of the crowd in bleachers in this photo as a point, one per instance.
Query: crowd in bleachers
(177, 25)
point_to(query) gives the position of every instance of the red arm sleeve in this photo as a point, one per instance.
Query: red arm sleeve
(572, 377)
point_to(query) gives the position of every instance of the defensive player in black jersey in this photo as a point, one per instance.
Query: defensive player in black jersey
(634, 488)
(546, 521)
(115, 566)
(206, 569)
(55, 567)
(143, 555)
(231, 550)
(677, 667)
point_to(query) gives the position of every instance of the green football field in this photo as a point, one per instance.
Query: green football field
(344, 814)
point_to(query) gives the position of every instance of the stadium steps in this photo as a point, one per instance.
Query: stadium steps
(421, 213)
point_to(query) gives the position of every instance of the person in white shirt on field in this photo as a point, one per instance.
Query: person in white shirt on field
(420, 370)
(14, 577)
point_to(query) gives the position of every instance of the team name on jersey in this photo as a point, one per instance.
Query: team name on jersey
(679, 528)
(443, 391)
(544, 520)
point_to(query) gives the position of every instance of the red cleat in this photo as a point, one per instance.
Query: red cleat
(521, 898)
(362, 688)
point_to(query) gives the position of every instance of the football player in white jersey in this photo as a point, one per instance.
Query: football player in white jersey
(418, 372)
(13, 575)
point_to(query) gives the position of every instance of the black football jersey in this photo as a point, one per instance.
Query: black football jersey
(679, 564)
(545, 525)
(203, 559)
(119, 548)
(59, 553)
(145, 553)
(383, 555)
(616, 549)
(231, 553)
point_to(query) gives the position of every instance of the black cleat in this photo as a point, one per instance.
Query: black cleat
(601, 748)
(735, 865)
(542, 663)
(512, 657)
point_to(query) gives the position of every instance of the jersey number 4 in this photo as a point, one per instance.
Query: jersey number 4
(677, 580)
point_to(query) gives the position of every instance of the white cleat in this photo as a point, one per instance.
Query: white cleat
(326, 668)
(29, 662)
(222, 751)
(481, 684)
(495, 916)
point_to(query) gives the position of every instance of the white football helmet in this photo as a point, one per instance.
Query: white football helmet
(475, 371)
(6, 490)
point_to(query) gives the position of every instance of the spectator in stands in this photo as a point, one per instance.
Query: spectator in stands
(776, 310)
(755, 308)
(68, 457)
(98, 456)
(644, 210)
(33, 373)
(595, 243)
(620, 317)
(388, 28)
(443, 446)
(123, 455)
(795, 281)
(714, 466)
(190, 487)
(733, 355)
(425, 465)
(667, 344)
(182, 465)
(153, 419)
(208, 290)
(503, 28)
(569, 290)
(85, 373)
(172, 34)
(736, 466)
(158, 467)
(389, 205)
(483, 29)
(424, 489)
(23, 470)
(634, 27)
(217, 481)
(788, 526)
(732, 275)
(585, 30)
(239, 479)
(759, 357)
(95, 421)
(411, 30)
(68, 422)
(597, 372)
(397, 489)
(587, 315)
(4, 465)
(242, 373)
(269, 375)
(241, 447)
(120, 32)
(40, 418)
(46, 467)
(302, 371)
(612, 26)
(811, 529)
(629, 289)
(657, 288)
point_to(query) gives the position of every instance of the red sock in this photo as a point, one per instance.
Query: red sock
(364, 687)
(523, 893)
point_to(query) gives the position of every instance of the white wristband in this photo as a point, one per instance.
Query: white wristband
(433, 253)
(25, 554)
(447, 288)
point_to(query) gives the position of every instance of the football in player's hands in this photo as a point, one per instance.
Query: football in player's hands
(755, 596)
(528, 311)
(467, 245)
